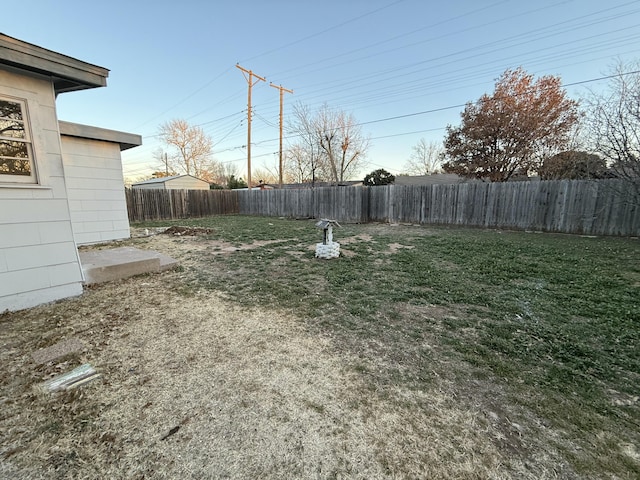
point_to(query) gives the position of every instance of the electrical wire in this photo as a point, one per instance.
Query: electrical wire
(322, 32)
(543, 29)
(408, 84)
(409, 115)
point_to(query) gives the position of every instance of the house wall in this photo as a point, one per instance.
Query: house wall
(186, 183)
(95, 186)
(38, 256)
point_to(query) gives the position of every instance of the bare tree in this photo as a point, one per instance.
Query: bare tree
(265, 174)
(342, 142)
(306, 153)
(298, 165)
(192, 149)
(425, 158)
(163, 169)
(223, 171)
(333, 141)
(613, 119)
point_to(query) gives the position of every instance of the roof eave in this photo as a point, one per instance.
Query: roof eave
(68, 74)
(124, 139)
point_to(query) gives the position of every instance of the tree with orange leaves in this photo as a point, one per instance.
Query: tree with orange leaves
(512, 131)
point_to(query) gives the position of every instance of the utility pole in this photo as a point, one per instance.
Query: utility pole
(282, 90)
(248, 75)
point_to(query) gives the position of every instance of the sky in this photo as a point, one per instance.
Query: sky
(403, 68)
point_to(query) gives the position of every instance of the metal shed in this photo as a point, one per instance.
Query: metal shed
(177, 182)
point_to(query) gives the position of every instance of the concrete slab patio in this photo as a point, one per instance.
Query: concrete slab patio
(111, 264)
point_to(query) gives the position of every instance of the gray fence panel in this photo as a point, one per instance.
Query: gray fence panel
(602, 207)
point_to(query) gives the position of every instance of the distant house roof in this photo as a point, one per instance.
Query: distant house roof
(293, 186)
(166, 179)
(435, 179)
(450, 179)
(68, 74)
(125, 140)
(157, 180)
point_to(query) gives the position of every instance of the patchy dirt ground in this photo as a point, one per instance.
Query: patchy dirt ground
(195, 386)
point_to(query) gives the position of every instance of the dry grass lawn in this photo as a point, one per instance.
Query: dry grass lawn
(253, 394)
(195, 385)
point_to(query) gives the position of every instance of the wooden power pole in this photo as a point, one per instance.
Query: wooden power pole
(282, 90)
(248, 74)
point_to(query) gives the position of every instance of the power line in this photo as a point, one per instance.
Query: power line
(382, 42)
(436, 110)
(403, 75)
(460, 105)
(229, 133)
(326, 30)
(267, 122)
(195, 92)
(408, 86)
(450, 107)
(371, 95)
(502, 42)
(399, 72)
(408, 133)
(428, 85)
(425, 112)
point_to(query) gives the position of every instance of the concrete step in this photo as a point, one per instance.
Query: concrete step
(122, 262)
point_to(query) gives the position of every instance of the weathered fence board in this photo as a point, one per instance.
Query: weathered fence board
(148, 204)
(603, 207)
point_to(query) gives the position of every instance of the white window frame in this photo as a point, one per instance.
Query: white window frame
(32, 178)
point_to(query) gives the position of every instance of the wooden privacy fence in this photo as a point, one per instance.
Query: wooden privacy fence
(603, 207)
(346, 204)
(157, 204)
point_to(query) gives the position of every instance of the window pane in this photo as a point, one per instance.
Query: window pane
(13, 149)
(11, 128)
(16, 155)
(15, 166)
(10, 110)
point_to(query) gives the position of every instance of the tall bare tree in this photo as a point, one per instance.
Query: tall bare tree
(613, 120)
(299, 165)
(191, 149)
(266, 174)
(513, 130)
(342, 142)
(305, 152)
(333, 140)
(425, 158)
(223, 171)
(162, 164)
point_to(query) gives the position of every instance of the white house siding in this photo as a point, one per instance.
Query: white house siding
(38, 256)
(95, 186)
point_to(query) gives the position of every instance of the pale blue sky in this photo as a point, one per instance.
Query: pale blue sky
(377, 59)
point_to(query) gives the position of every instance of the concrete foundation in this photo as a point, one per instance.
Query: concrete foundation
(111, 264)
